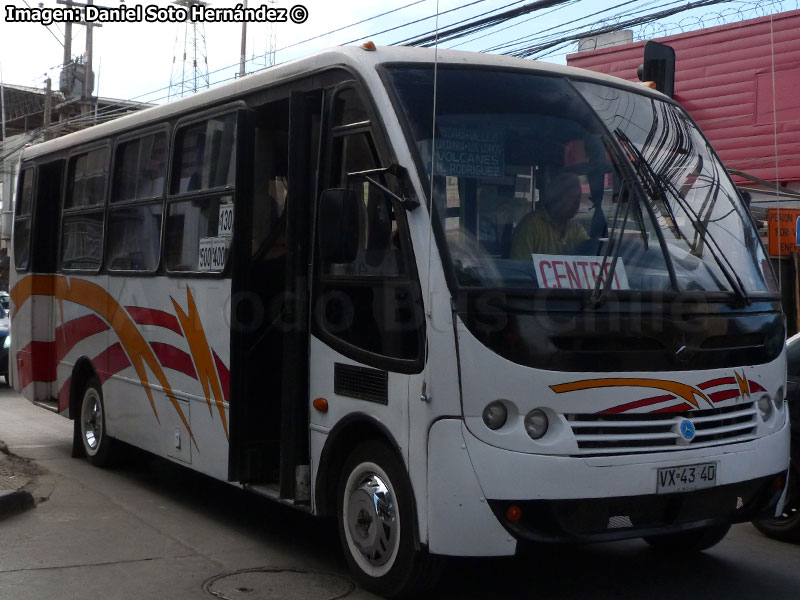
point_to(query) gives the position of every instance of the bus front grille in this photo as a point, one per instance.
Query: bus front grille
(598, 434)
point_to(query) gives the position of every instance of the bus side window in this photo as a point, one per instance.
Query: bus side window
(368, 302)
(22, 220)
(200, 205)
(135, 212)
(82, 222)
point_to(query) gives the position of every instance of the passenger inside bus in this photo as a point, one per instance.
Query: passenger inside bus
(551, 229)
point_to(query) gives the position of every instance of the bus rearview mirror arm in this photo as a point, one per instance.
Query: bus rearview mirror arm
(398, 171)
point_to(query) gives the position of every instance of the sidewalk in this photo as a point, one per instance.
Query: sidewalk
(18, 477)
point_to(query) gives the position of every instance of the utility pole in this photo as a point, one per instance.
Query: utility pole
(67, 39)
(70, 69)
(86, 98)
(2, 105)
(48, 106)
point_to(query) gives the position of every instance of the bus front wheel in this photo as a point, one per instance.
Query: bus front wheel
(376, 524)
(90, 426)
(785, 527)
(693, 540)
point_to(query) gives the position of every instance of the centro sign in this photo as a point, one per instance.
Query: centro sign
(558, 271)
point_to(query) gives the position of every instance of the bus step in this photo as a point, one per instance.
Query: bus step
(272, 491)
(50, 405)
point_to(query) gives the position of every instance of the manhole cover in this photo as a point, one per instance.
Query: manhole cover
(278, 584)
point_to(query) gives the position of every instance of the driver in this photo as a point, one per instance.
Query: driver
(552, 230)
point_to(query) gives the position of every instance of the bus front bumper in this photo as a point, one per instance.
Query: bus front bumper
(585, 499)
(471, 486)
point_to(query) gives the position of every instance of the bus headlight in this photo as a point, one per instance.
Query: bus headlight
(495, 415)
(765, 406)
(536, 423)
(7, 342)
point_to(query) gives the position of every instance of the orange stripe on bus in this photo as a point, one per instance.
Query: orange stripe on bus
(201, 353)
(687, 392)
(94, 297)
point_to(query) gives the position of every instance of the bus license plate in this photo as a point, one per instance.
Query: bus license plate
(686, 478)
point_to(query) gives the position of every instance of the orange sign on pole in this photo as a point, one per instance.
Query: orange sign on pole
(782, 231)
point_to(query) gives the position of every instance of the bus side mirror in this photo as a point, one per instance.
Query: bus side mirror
(659, 67)
(338, 226)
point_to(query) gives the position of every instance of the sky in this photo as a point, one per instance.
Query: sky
(134, 60)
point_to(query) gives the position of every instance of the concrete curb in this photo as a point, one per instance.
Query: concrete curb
(18, 476)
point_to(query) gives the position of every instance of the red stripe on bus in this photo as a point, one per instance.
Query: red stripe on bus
(173, 358)
(36, 362)
(639, 404)
(754, 387)
(676, 408)
(224, 377)
(723, 395)
(111, 361)
(151, 316)
(72, 332)
(716, 382)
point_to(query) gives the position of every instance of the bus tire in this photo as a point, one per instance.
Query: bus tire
(90, 426)
(376, 523)
(786, 527)
(693, 540)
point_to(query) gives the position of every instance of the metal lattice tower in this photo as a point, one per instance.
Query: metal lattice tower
(189, 57)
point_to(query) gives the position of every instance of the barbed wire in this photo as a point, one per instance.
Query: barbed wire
(746, 10)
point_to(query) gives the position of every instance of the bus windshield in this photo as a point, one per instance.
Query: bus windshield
(540, 182)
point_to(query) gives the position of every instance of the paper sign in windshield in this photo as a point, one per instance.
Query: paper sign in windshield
(469, 152)
(556, 271)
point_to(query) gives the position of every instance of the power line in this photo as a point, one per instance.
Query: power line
(532, 50)
(428, 18)
(477, 25)
(436, 32)
(583, 18)
(517, 24)
(562, 31)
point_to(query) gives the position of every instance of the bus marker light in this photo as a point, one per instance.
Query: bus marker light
(495, 415)
(369, 45)
(536, 423)
(320, 404)
(514, 513)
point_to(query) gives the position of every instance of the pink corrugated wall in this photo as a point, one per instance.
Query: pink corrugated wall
(724, 78)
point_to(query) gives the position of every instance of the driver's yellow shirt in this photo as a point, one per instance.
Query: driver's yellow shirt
(536, 233)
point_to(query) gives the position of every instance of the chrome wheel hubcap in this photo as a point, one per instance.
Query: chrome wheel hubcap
(92, 420)
(372, 519)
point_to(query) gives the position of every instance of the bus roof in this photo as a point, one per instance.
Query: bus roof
(355, 57)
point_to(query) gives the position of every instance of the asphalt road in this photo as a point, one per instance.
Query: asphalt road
(151, 529)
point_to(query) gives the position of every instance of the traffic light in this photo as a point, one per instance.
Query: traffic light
(659, 67)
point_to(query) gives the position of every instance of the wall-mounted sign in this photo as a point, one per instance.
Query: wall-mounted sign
(782, 230)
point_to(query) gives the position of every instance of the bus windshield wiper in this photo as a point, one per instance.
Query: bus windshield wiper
(658, 185)
(606, 274)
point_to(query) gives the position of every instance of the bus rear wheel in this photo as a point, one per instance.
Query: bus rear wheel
(376, 524)
(90, 426)
(693, 540)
